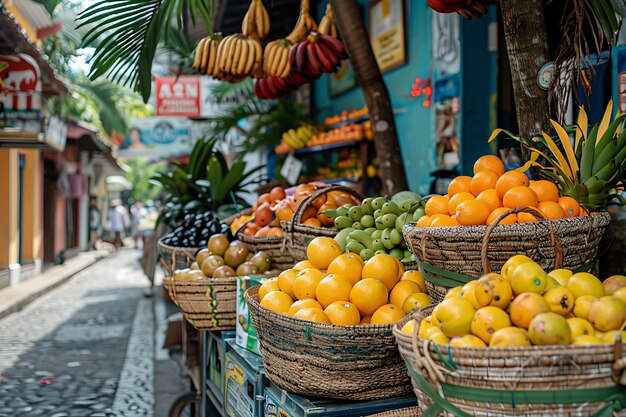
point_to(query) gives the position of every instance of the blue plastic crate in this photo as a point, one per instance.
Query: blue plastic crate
(244, 382)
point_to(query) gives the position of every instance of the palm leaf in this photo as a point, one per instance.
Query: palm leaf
(567, 146)
(606, 119)
(581, 127)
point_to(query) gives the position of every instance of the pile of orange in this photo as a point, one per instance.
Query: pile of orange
(339, 288)
(481, 199)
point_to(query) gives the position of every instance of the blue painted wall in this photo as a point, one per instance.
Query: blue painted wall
(413, 121)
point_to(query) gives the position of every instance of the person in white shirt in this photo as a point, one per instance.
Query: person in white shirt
(118, 219)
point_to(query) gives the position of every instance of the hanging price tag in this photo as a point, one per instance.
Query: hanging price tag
(291, 169)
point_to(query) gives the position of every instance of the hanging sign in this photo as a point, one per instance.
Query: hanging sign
(178, 96)
(21, 83)
(387, 33)
(291, 169)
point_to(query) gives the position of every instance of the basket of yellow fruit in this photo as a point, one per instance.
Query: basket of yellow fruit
(325, 326)
(504, 213)
(523, 342)
(206, 292)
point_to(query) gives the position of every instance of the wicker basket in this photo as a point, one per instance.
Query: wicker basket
(174, 258)
(452, 256)
(321, 360)
(402, 412)
(299, 235)
(273, 245)
(208, 304)
(513, 381)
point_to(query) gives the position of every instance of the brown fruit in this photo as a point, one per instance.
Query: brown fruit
(263, 215)
(277, 193)
(264, 198)
(194, 266)
(325, 220)
(246, 269)
(236, 255)
(224, 272)
(218, 244)
(210, 264)
(202, 255)
(263, 261)
(319, 201)
(613, 283)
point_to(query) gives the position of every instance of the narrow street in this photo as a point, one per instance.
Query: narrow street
(84, 349)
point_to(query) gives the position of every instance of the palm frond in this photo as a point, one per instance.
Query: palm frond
(128, 33)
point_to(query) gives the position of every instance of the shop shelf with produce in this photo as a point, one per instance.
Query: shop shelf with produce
(322, 148)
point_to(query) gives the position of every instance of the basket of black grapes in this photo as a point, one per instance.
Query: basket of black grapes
(178, 248)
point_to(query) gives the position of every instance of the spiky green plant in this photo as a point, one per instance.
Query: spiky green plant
(590, 169)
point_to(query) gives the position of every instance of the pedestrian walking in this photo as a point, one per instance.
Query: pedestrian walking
(137, 215)
(95, 222)
(117, 217)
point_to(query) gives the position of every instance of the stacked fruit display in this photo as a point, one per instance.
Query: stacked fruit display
(273, 207)
(339, 288)
(480, 199)
(353, 132)
(375, 226)
(346, 116)
(524, 306)
(223, 259)
(195, 230)
(296, 138)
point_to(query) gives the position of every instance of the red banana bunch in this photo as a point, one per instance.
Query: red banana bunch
(466, 8)
(318, 54)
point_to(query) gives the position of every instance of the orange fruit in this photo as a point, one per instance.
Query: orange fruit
(313, 221)
(472, 213)
(306, 281)
(417, 300)
(382, 267)
(490, 197)
(545, 190)
(342, 313)
(437, 204)
(459, 184)
(285, 281)
(305, 303)
(489, 162)
(303, 265)
(368, 294)
(322, 250)
(277, 301)
(417, 277)
(525, 217)
(444, 221)
(509, 180)
(570, 206)
(267, 287)
(366, 320)
(510, 219)
(312, 314)
(520, 196)
(333, 288)
(401, 291)
(348, 265)
(387, 314)
(423, 221)
(483, 180)
(400, 268)
(551, 210)
(458, 199)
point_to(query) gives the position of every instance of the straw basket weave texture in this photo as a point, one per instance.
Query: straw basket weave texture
(272, 245)
(402, 412)
(452, 256)
(320, 360)
(298, 235)
(174, 258)
(513, 381)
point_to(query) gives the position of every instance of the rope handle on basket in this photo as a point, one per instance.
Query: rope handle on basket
(558, 250)
(620, 361)
(297, 215)
(422, 360)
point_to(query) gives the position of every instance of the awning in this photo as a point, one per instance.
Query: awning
(117, 183)
(13, 39)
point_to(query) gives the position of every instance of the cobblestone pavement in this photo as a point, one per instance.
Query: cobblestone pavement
(84, 349)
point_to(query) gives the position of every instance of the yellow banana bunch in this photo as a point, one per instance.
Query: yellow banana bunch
(238, 56)
(256, 22)
(327, 24)
(206, 55)
(276, 54)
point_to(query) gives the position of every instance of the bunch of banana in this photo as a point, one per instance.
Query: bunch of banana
(206, 55)
(592, 170)
(474, 8)
(327, 24)
(238, 56)
(298, 138)
(317, 54)
(256, 22)
(276, 55)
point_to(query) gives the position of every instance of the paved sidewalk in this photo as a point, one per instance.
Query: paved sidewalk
(15, 298)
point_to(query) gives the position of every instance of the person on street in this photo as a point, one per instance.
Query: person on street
(137, 215)
(118, 219)
(95, 222)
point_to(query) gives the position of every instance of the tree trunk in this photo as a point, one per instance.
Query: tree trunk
(356, 40)
(527, 45)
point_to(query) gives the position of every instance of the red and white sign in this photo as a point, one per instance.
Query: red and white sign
(178, 96)
(22, 79)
